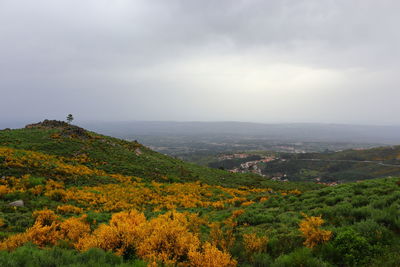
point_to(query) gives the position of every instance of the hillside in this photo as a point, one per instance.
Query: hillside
(344, 166)
(93, 200)
(117, 156)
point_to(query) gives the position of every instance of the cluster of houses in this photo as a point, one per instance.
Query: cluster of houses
(251, 166)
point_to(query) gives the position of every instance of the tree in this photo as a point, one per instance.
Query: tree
(70, 118)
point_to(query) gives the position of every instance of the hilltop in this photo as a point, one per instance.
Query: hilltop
(93, 200)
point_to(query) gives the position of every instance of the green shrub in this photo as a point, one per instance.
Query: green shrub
(379, 203)
(362, 213)
(299, 258)
(261, 260)
(256, 217)
(19, 222)
(284, 243)
(332, 200)
(95, 218)
(353, 248)
(31, 256)
(390, 217)
(374, 233)
(359, 201)
(34, 181)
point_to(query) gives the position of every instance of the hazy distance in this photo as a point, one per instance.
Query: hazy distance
(284, 132)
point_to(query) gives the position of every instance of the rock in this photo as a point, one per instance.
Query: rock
(138, 152)
(18, 203)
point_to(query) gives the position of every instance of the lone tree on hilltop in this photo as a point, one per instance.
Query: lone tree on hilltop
(70, 118)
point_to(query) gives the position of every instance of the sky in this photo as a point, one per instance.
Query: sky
(320, 61)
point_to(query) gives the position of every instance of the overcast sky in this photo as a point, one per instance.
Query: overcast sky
(259, 61)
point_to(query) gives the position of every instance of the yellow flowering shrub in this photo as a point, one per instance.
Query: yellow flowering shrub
(254, 244)
(210, 256)
(247, 203)
(119, 236)
(64, 209)
(166, 239)
(137, 195)
(45, 217)
(14, 242)
(309, 227)
(48, 229)
(74, 228)
(125, 194)
(4, 189)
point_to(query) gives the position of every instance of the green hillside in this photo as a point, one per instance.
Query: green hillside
(83, 199)
(123, 157)
(343, 166)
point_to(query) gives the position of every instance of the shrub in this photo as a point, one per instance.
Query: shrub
(388, 217)
(210, 256)
(256, 218)
(30, 255)
(299, 258)
(373, 232)
(48, 230)
(353, 248)
(359, 201)
(254, 244)
(261, 260)
(284, 243)
(311, 232)
(120, 236)
(362, 213)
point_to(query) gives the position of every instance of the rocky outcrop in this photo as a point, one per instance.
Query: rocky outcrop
(48, 124)
(67, 130)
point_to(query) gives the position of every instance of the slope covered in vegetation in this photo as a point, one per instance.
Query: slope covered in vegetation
(120, 157)
(343, 166)
(85, 199)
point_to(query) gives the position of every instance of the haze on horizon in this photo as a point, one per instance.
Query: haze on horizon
(245, 60)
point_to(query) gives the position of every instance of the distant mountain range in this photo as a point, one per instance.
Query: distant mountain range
(302, 132)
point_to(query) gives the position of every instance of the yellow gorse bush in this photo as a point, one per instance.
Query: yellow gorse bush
(69, 209)
(310, 229)
(48, 229)
(167, 239)
(126, 193)
(254, 244)
(210, 256)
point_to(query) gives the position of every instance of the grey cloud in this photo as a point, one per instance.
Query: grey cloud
(178, 60)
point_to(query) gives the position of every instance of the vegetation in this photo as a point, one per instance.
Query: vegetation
(117, 156)
(91, 200)
(344, 166)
